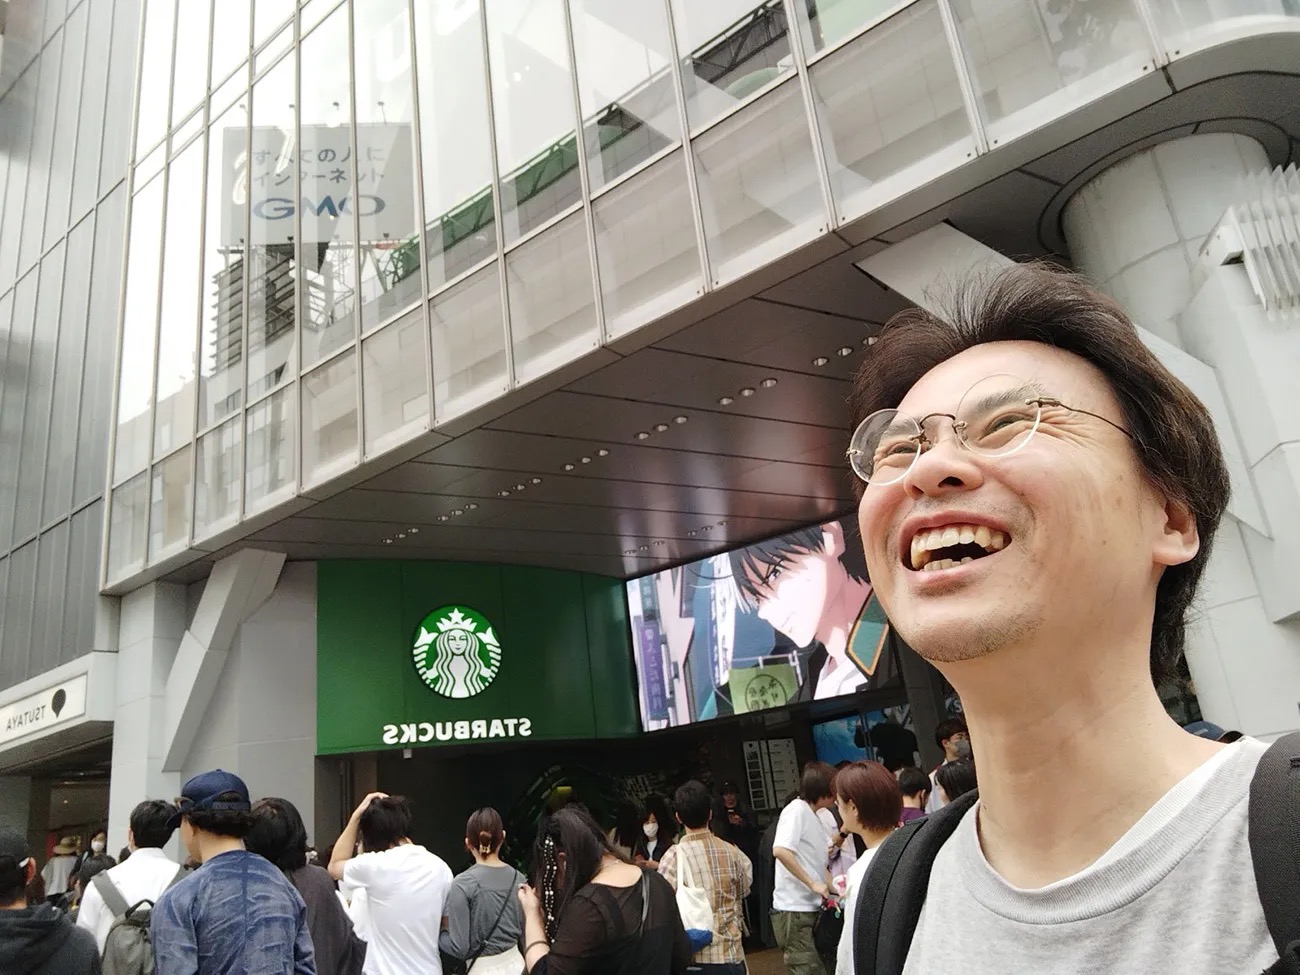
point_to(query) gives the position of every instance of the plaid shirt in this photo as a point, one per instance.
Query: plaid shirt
(727, 875)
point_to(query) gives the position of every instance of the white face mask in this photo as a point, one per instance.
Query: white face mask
(651, 830)
(96, 846)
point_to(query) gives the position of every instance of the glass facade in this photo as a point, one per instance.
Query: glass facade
(248, 244)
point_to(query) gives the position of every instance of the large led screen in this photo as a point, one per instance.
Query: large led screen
(790, 619)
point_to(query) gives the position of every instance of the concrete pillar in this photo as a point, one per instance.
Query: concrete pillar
(15, 801)
(1137, 230)
(925, 694)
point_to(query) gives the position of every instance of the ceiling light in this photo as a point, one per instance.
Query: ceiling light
(585, 460)
(521, 487)
(722, 524)
(412, 531)
(630, 551)
(642, 435)
(821, 360)
(691, 532)
(660, 427)
(602, 452)
(388, 541)
(535, 480)
(471, 506)
(707, 528)
(871, 340)
(568, 467)
(443, 517)
(645, 548)
(401, 534)
(725, 400)
(846, 350)
(457, 511)
(747, 391)
(680, 419)
(503, 494)
(768, 383)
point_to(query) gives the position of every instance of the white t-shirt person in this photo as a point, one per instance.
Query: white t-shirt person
(405, 889)
(803, 833)
(142, 876)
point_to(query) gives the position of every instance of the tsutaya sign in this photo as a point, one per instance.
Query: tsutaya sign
(259, 185)
(43, 710)
(413, 654)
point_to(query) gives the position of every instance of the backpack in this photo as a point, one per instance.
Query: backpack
(893, 892)
(127, 950)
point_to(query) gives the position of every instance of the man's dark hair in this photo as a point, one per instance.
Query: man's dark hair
(755, 562)
(1173, 434)
(947, 728)
(92, 866)
(912, 781)
(278, 834)
(235, 823)
(149, 824)
(385, 823)
(816, 782)
(694, 805)
(957, 778)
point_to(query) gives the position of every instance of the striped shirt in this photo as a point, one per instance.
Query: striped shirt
(727, 875)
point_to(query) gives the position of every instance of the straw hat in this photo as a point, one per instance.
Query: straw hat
(66, 846)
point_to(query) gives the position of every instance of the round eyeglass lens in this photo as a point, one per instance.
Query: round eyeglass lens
(884, 447)
(999, 415)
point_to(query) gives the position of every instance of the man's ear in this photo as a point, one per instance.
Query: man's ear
(1179, 539)
(833, 539)
(31, 870)
(677, 816)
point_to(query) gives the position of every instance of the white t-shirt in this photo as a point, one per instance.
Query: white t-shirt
(405, 889)
(800, 831)
(57, 874)
(1176, 893)
(142, 876)
(844, 953)
(839, 866)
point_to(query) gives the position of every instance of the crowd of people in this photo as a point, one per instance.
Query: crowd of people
(250, 899)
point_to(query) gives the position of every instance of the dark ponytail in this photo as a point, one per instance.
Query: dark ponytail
(485, 832)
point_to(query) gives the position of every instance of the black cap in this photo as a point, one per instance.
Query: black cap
(13, 846)
(217, 789)
(729, 787)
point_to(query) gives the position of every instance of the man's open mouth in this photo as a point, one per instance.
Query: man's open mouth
(934, 549)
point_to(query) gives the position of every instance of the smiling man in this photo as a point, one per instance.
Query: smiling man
(1039, 501)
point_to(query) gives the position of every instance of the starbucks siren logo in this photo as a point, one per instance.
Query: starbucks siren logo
(456, 652)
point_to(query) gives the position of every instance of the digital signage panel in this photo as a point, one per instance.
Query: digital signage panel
(790, 619)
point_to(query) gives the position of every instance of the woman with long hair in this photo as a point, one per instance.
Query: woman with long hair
(594, 913)
(870, 806)
(278, 835)
(658, 832)
(482, 919)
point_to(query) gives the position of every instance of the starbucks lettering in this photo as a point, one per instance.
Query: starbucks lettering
(429, 654)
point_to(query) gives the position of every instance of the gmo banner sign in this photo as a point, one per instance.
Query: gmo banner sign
(258, 185)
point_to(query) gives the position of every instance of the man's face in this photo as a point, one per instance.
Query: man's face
(729, 800)
(950, 744)
(792, 597)
(1086, 536)
(189, 839)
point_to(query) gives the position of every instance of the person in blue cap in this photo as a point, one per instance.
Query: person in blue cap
(237, 913)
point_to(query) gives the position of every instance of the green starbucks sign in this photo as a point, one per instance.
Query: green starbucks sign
(456, 652)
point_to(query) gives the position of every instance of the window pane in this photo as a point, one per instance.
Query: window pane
(824, 23)
(40, 392)
(532, 95)
(67, 374)
(12, 393)
(729, 49)
(38, 166)
(119, 100)
(221, 380)
(90, 121)
(1189, 24)
(396, 383)
(14, 666)
(83, 580)
(135, 382)
(190, 77)
(552, 307)
(269, 16)
(272, 182)
(329, 419)
(127, 524)
(96, 412)
(20, 101)
(59, 195)
(178, 321)
(155, 73)
(469, 344)
(890, 110)
(169, 508)
(390, 266)
(327, 258)
(457, 170)
(269, 435)
(758, 184)
(629, 102)
(216, 503)
(1028, 69)
(645, 246)
(50, 598)
(230, 37)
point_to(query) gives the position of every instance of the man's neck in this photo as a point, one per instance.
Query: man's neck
(841, 615)
(702, 831)
(1069, 756)
(18, 905)
(212, 845)
(912, 802)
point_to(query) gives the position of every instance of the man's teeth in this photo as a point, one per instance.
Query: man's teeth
(926, 543)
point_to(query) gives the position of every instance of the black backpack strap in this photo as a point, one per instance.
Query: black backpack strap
(1274, 833)
(893, 891)
(113, 898)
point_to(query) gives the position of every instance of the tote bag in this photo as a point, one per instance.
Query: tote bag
(693, 904)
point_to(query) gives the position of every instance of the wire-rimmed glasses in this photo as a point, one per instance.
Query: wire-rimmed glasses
(996, 417)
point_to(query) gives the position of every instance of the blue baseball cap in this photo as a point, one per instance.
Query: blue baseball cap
(217, 789)
(1205, 729)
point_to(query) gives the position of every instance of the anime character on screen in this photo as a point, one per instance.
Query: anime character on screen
(812, 588)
